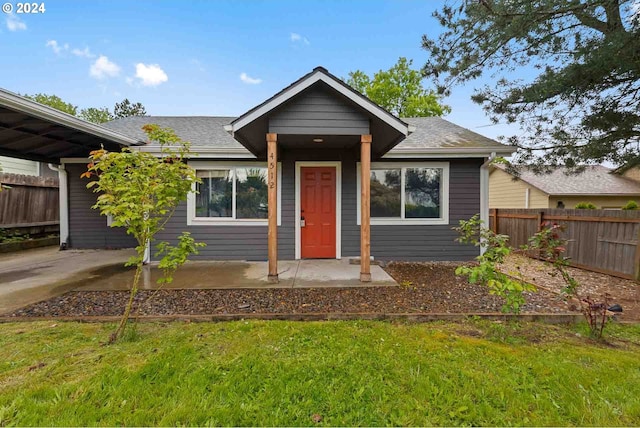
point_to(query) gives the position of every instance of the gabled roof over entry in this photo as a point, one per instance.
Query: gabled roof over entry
(29, 130)
(320, 106)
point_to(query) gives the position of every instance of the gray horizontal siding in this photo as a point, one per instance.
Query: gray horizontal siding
(239, 242)
(87, 228)
(316, 112)
(387, 242)
(416, 242)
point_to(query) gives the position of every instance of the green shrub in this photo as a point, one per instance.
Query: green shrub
(8, 237)
(585, 206)
(631, 205)
(486, 272)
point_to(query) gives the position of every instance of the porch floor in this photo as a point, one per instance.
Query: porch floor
(240, 274)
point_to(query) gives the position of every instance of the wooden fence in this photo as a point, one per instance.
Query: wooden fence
(605, 241)
(29, 204)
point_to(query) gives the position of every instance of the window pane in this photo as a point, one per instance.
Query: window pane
(385, 193)
(422, 197)
(251, 193)
(214, 194)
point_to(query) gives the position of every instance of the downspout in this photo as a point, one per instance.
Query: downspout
(63, 193)
(484, 194)
(527, 197)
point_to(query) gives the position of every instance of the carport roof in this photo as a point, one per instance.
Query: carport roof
(29, 130)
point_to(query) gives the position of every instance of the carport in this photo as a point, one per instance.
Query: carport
(32, 131)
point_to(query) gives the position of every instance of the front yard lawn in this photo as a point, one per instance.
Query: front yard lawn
(318, 373)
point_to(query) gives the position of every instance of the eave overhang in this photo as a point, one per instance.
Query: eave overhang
(29, 130)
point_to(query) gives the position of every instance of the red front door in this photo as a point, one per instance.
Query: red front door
(318, 212)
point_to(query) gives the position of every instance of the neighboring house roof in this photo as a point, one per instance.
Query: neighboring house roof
(594, 180)
(206, 133)
(624, 168)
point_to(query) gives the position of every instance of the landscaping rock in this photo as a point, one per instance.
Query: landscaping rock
(615, 308)
(431, 288)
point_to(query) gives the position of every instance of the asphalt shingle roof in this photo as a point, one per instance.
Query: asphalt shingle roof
(436, 132)
(204, 131)
(594, 180)
(208, 131)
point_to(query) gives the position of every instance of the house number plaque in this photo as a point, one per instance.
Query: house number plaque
(272, 172)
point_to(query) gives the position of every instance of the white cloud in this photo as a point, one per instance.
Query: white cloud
(150, 75)
(58, 49)
(635, 8)
(14, 23)
(297, 38)
(85, 53)
(197, 64)
(103, 68)
(250, 80)
(54, 46)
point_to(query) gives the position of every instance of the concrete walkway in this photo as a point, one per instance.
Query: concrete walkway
(237, 274)
(31, 276)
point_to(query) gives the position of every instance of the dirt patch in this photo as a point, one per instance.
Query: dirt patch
(429, 288)
(622, 291)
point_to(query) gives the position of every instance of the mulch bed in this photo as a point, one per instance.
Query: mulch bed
(427, 288)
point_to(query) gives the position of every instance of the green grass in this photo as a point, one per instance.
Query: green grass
(349, 373)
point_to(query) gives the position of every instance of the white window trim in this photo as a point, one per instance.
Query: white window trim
(338, 167)
(192, 220)
(444, 198)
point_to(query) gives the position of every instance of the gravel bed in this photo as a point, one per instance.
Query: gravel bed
(593, 284)
(426, 288)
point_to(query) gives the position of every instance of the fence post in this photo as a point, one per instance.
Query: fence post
(495, 220)
(540, 220)
(637, 257)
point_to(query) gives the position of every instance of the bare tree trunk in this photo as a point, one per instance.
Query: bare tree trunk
(127, 311)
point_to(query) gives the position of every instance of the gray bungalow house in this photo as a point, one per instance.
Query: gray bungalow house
(316, 171)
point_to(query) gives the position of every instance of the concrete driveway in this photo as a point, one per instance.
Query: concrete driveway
(34, 275)
(31, 276)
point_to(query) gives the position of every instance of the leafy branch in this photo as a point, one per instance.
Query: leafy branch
(140, 191)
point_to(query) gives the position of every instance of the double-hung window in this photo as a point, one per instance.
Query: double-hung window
(408, 193)
(230, 194)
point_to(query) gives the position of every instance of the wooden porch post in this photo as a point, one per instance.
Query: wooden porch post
(365, 202)
(272, 165)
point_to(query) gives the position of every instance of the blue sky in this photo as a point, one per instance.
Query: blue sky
(210, 57)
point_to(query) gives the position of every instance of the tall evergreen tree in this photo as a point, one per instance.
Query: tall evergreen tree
(582, 103)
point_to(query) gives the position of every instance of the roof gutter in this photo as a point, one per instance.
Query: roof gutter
(450, 152)
(219, 152)
(487, 150)
(23, 105)
(627, 195)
